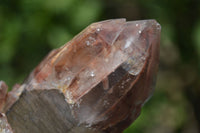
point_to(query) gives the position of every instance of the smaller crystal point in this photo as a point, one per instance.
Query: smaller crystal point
(3, 89)
(3, 93)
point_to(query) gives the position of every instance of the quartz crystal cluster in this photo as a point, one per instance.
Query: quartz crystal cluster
(106, 73)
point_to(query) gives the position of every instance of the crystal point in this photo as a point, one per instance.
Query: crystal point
(106, 72)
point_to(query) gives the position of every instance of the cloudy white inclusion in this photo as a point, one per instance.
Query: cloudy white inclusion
(128, 42)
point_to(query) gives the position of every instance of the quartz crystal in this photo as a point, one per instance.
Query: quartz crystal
(110, 64)
(106, 73)
(94, 54)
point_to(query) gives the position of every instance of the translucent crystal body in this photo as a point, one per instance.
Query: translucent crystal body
(107, 72)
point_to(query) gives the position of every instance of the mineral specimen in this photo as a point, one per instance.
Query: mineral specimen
(106, 73)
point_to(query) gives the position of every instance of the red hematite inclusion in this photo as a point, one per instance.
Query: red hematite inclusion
(107, 70)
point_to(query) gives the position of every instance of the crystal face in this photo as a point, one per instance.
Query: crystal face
(106, 73)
